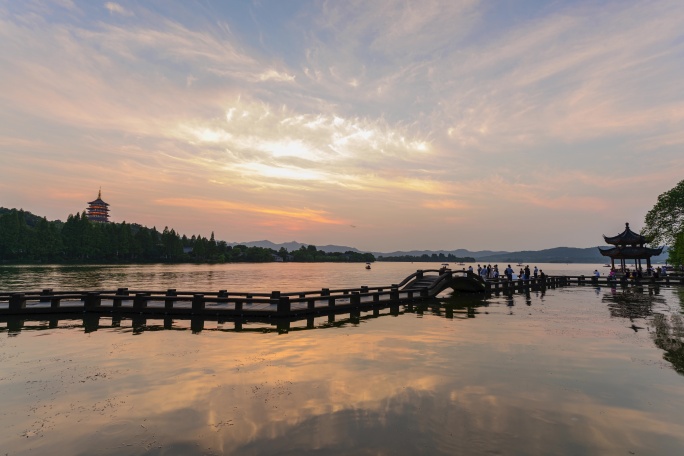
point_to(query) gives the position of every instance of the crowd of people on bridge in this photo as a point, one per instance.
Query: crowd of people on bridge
(492, 272)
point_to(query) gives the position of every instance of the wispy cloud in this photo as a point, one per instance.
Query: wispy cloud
(115, 8)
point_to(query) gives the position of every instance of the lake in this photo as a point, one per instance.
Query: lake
(569, 371)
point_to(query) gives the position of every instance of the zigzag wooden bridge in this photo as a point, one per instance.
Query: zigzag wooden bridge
(422, 285)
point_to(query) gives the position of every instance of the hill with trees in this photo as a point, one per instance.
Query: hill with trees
(28, 238)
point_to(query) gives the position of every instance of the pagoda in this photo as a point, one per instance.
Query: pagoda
(98, 210)
(629, 246)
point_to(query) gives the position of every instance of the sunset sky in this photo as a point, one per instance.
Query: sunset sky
(382, 125)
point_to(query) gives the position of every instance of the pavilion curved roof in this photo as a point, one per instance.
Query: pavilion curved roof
(627, 237)
(630, 253)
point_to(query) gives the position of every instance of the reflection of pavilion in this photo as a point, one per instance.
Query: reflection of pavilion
(667, 330)
(635, 302)
(629, 246)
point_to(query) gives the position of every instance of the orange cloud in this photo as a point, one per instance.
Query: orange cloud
(445, 204)
(309, 215)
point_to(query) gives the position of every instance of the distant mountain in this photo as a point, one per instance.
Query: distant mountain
(293, 245)
(460, 253)
(557, 255)
(554, 255)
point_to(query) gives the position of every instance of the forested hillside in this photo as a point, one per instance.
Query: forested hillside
(25, 237)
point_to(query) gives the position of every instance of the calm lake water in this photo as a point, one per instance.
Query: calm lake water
(571, 371)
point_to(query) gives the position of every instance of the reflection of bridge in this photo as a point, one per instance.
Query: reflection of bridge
(465, 307)
(422, 285)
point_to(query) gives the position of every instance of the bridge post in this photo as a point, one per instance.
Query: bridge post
(119, 292)
(45, 292)
(140, 301)
(238, 305)
(17, 301)
(325, 292)
(168, 303)
(394, 292)
(311, 303)
(92, 300)
(198, 303)
(419, 274)
(355, 299)
(424, 292)
(376, 297)
(284, 305)
(410, 294)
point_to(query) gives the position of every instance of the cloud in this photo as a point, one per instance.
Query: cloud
(274, 75)
(265, 142)
(205, 205)
(115, 8)
(572, 76)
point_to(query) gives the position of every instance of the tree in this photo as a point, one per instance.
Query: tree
(676, 253)
(665, 221)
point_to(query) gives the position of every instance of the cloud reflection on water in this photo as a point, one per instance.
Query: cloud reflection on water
(562, 375)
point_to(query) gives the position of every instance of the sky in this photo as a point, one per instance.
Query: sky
(385, 125)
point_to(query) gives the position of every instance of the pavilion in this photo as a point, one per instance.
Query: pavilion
(629, 246)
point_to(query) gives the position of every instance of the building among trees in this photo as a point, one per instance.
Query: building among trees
(98, 210)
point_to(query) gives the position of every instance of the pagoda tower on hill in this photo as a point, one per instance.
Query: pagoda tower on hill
(98, 210)
(629, 245)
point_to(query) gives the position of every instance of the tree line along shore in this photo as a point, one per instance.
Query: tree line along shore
(27, 238)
